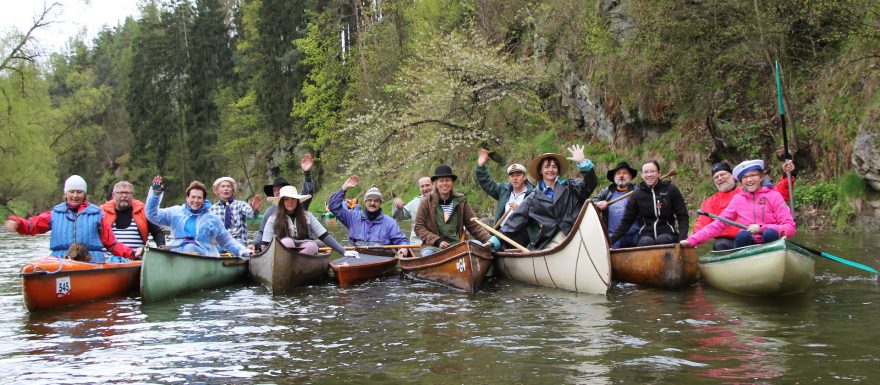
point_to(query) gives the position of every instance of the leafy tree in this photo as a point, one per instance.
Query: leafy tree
(27, 169)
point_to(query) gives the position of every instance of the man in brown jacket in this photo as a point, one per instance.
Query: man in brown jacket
(443, 213)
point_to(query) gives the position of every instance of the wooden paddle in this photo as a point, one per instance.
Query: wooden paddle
(672, 172)
(500, 235)
(376, 247)
(810, 249)
(503, 217)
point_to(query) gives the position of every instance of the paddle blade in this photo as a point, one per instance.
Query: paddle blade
(850, 263)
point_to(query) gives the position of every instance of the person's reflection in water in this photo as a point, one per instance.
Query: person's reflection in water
(731, 345)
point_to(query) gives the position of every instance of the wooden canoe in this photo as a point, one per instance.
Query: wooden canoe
(52, 282)
(166, 273)
(280, 269)
(370, 264)
(462, 266)
(664, 266)
(581, 263)
(775, 268)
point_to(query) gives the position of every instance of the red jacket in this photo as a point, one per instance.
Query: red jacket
(39, 224)
(137, 212)
(716, 203)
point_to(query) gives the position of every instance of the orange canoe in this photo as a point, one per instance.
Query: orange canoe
(370, 264)
(47, 285)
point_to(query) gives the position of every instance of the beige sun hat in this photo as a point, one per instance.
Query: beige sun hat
(290, 192)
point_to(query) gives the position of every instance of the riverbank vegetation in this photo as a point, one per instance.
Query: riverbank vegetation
(196, 89)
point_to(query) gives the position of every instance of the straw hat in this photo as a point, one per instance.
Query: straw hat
(535, 166)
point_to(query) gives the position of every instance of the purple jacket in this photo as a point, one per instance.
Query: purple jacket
(361, 230)
(764, 207)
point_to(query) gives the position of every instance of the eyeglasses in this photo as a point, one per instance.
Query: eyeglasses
(751, 176)
(123, 193)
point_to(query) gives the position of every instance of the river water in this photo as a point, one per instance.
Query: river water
(399, 331)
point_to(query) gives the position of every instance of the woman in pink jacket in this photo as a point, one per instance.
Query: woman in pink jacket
(760, 208)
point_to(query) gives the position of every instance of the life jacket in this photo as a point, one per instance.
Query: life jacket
(81, 227)
(137, 212)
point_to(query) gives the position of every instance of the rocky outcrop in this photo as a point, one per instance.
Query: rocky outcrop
(586, 108)
(866, 157)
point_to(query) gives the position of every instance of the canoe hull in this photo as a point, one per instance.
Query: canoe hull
(462, 266)
(581, 263)
(281, 269)
(662, 266)
(77, 282)
(775, 268)
(371, 264)
(166, 274)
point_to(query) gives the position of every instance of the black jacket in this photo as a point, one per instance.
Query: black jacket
(544, 217)
(657, 209)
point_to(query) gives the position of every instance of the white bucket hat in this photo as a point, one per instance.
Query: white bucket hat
(225, 179)
(290, 192)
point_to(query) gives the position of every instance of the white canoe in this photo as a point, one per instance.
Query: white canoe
(775, 268)
(581, 263)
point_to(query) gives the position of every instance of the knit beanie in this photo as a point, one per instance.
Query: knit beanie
(75, 182)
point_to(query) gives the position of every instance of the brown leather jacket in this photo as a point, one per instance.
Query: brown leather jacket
(426, 219)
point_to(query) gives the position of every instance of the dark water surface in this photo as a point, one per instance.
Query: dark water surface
(400, 331)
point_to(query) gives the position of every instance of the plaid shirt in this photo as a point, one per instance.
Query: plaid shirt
(241, 211)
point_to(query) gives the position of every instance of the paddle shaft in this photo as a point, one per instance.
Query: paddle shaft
(787, 154)
(503, 217)
(725, 220)
(807, 248)
(672, 172)
(500, 235)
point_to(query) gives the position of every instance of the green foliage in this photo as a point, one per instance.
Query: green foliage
(820, 194)
(27, 171)
(318, 111)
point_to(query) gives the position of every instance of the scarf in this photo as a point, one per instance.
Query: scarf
(372, 216)
(227, 216)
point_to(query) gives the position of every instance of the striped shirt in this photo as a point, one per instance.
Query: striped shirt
(130, 236)
(446, 206)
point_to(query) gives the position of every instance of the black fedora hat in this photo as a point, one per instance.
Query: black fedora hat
(443, 171)
(280, 182)
(620, 166)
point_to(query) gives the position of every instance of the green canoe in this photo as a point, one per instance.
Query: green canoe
(775, 268)
(165, 273)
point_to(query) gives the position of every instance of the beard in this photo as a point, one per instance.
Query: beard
(726, 185)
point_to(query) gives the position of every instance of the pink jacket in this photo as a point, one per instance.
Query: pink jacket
(764, 207)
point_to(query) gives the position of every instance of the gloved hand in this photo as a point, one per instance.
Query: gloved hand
(351, 253)
(158, 187)
(245, 254)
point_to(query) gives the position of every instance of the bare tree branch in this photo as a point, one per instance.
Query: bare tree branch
(19, 52)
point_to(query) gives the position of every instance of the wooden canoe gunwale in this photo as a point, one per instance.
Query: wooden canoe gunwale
(568, 238)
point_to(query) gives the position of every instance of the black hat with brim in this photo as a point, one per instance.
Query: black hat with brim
(621, 166)
(443, 171)
(280, 182)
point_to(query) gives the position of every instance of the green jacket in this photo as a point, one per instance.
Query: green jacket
(500, 191)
